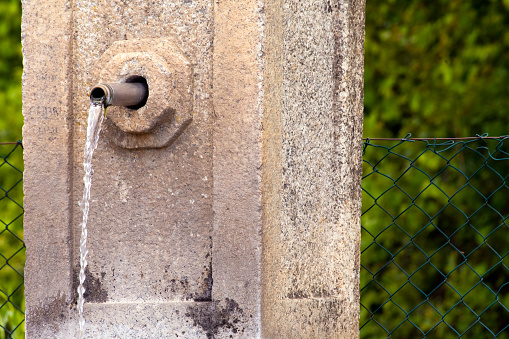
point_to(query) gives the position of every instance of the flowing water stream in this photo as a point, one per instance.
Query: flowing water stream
(95, 119)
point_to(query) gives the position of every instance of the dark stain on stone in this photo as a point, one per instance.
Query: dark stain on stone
(328, 6)
(213, 316)
(93, 287)
(206, 295)
(297, 294)
(51, 314)
(178, 286)
(314, 293)
(199, 291)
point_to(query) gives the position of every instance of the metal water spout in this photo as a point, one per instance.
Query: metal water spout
(149, 84)
(128, 94)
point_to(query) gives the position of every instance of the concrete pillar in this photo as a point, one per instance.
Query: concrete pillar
(229, 206)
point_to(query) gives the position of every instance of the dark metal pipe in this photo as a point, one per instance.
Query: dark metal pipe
(125, 94)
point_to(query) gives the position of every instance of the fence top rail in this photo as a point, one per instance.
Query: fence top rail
(408, 137)
(441, 145)
(11, 143)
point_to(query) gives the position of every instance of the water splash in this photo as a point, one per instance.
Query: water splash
(95, 119)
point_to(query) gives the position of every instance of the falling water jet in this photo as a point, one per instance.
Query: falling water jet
(95, 119)
(132, 95)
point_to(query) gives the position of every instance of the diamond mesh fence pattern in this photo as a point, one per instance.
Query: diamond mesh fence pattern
(12, 247)
(435, 239)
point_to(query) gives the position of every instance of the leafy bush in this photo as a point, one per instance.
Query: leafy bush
(436, 68)
(11, 118)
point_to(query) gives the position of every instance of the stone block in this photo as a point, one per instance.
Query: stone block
(236, 214)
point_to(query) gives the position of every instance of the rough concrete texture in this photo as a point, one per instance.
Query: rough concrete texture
(150, 237)
(188, 320)
(48, 159)
(247, 224)
(238, 37)
(312, 168)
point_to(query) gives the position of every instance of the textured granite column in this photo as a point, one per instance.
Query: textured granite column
(246, 222)
(312, 161)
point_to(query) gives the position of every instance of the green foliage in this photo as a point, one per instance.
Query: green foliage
(11, 118)
(12, 251)
(436, 68)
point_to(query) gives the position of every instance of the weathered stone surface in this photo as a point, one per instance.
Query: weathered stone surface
(238, 38)
(48, 160)
(247, 224)
(312, 169)
(150, 234)
(188, 320)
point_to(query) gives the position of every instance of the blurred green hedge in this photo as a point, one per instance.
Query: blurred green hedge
(436, 68)
(11, 118)
(12, 258)
(433, 68)
(435, 235)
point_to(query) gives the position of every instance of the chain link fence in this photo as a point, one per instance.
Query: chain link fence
(435, 239)
(12, 247)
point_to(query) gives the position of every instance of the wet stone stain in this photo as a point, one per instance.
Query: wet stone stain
(93, 287)
(215, 316)
(206, 287)
(52, 314)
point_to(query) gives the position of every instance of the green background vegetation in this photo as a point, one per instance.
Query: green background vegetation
(432, 68)
(11, 223)
(436, 69)
(12, 249)
(11, 119)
